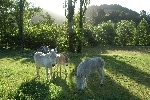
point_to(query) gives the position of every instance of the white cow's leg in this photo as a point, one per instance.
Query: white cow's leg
(65, 67)
(50, 73)
(86, 79)
(46, 72)
(37, 71)
(101, 72)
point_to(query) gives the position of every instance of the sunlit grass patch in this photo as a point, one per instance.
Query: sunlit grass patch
(126, 76)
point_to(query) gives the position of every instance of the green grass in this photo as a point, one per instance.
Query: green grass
(127, 76)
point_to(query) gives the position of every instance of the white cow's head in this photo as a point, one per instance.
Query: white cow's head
(53, 56)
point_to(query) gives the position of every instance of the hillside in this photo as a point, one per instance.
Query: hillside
(110, 8)
(107, 8)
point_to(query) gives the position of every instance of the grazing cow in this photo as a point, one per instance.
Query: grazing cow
(45, 60)
(62, 60)
(86, 67)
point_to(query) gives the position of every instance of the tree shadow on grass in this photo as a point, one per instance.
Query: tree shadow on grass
(10, 54)
(110, 90)
(33, 90)
(66, 92)
(16, 56)
(128, 70)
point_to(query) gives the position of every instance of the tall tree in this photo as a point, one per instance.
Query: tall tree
(83, 8)
(20, 24)
(69, 13)
(6, 11)
(143, 33)
(3, 17)
(125, 33)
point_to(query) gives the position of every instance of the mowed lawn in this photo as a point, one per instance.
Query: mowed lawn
(127, 76)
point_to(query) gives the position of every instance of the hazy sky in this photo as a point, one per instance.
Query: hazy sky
(57, 5)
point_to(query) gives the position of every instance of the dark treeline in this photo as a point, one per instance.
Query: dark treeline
(104, 27)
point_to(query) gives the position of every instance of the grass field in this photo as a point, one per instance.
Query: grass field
(127, 76)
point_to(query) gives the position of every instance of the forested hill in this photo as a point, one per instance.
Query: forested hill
(97, 14)
(109, 8)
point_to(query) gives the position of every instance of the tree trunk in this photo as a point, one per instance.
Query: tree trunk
(71, 37)
(70, 24)
(79, 47)
(21, 6)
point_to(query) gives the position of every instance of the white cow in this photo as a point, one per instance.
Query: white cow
(45, 60)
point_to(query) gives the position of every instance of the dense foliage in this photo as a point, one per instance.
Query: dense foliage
(47, 32)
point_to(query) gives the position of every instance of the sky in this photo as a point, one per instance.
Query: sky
(57, 5)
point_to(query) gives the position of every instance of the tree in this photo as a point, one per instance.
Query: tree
(108, 29)
(24, 13)
(7, 26)
(27, 11)
(83, 8)
(143, 33)
(125, 32)
(3, 15)
(104, 33)
(69, 13)
(20, 23)
(30, 11)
